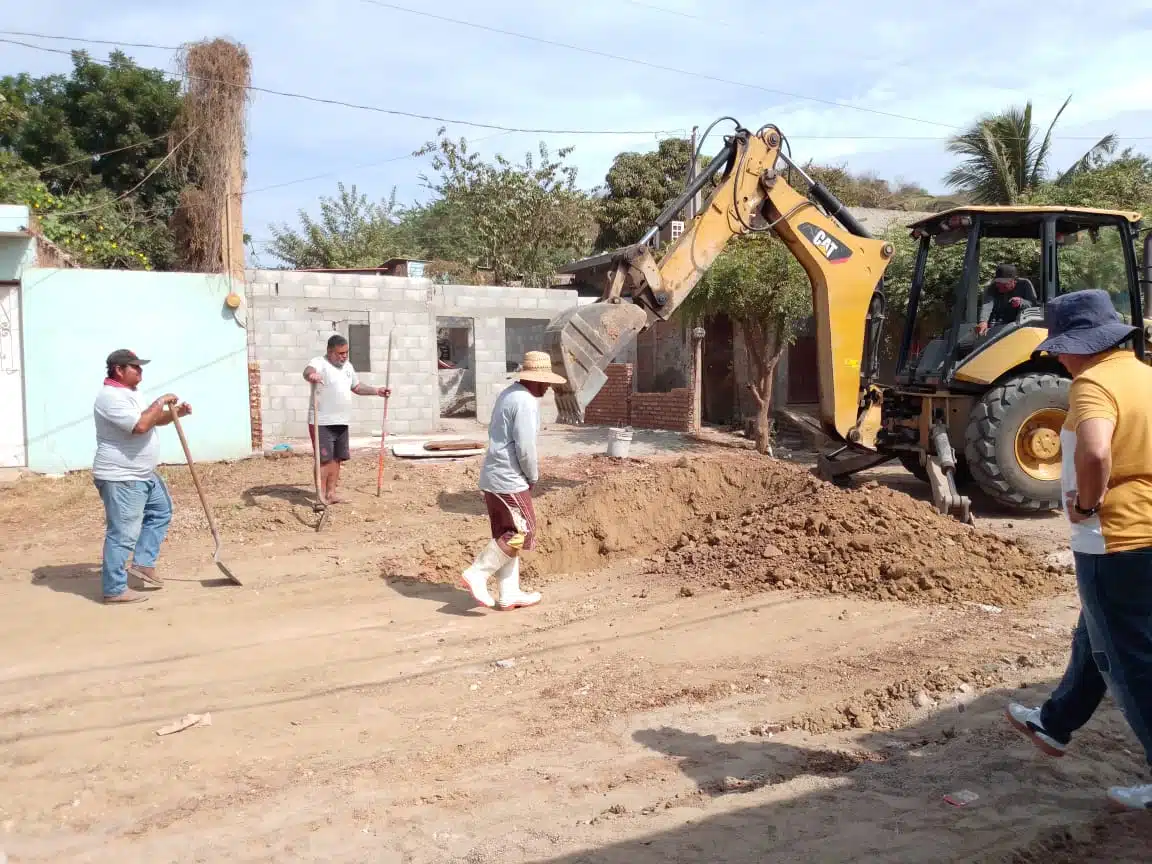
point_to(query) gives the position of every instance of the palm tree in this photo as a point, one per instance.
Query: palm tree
(1001, 160)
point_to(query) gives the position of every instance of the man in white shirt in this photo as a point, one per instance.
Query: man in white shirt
(335, 381)
(137, 506)
(510, 470)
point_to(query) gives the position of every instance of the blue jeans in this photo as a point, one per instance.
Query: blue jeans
(136, 513)
(1111, 647)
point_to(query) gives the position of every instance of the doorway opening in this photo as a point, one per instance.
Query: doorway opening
(456, 366)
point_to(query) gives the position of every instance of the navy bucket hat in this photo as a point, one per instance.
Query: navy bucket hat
(1083, 322)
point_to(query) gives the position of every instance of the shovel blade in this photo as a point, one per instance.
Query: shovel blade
(223, 568)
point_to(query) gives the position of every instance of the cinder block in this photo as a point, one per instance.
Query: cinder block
(344, 292)
(317, 291)
(297, 403)
(282, 340)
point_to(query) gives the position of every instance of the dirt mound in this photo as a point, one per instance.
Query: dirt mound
(636, 512)
(869, 541)
(630, 511)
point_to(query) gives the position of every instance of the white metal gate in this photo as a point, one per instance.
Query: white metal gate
(12, 453)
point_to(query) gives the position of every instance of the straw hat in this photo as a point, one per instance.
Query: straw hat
(537, 366)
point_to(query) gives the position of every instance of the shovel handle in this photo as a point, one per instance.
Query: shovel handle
(195, 476)
(316, 447)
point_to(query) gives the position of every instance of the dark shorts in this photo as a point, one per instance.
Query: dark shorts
(512, 520)
(333, 443)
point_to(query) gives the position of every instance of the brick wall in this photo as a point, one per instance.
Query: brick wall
(610, 406)
(671, 410)
(617, 405)
(254, 406)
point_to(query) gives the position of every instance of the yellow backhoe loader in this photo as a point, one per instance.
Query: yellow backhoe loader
(970, 403)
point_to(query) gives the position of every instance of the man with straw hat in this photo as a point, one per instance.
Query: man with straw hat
(1107, 480)
(510, 470)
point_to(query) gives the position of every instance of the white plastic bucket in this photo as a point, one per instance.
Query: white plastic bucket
(619, 442)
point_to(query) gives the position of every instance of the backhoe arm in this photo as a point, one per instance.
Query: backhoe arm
(844, 265)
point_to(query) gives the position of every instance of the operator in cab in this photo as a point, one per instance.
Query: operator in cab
(1004, 299)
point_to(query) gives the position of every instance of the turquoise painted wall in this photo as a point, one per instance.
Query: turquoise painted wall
(73, 319)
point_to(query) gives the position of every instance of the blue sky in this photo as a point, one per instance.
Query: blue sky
(942, 64)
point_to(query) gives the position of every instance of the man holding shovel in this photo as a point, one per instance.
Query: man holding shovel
(137, 506)
(335, 381)
(509, 472)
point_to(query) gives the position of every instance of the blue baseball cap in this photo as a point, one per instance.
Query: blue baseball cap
(1083, 322)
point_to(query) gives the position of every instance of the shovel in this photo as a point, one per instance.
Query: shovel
(203, 500)
(325, 510)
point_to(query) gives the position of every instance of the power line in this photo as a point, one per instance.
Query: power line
(93, 156)
(92, 41)
(351, 168)
(659, 66)
(120, 198)
(376, 109)
(513, 129)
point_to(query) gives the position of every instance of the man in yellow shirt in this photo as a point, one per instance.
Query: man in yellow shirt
(1108, 499)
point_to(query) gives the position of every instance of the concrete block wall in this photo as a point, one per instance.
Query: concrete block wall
(292, 314)
(617, 405)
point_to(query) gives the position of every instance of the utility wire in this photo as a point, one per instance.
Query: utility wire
(351, 168)
(120, 198)
(500, 128)
(92, 41)
(659, 66)
(392, 111)
(94, 156)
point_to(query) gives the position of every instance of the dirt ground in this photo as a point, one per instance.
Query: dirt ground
(733, 663)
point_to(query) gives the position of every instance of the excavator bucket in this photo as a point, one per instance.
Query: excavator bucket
(582, 342)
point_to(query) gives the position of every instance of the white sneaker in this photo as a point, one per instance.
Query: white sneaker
(511, 597)
(1027, 721)
(1131, 797)
(475, 578)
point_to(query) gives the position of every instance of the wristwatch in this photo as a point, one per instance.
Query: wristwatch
(1091, 511)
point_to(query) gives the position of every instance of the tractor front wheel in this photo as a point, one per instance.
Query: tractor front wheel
(1013, 441)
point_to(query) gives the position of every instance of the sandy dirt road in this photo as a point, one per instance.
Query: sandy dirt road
(364, 711)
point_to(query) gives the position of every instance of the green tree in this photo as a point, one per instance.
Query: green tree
(99, 107)
(521, 220)
(55, 124)
(1001, 160)
(868, 190)
(638, 186)
(352, 231)
(95, 229)
(759, 285)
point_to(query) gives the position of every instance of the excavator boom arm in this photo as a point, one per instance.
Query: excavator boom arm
(844, 266)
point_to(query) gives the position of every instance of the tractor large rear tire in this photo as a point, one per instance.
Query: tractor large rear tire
(995, 439)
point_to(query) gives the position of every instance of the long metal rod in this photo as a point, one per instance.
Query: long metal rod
(720, 161)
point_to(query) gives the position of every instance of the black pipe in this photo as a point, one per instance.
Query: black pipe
(722, 159)
(1146, 275)
(836, 208)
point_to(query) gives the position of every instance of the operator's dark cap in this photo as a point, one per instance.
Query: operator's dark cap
(124, 357)
(1005, 271)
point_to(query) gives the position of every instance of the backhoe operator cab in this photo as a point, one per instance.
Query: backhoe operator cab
(1002, 403)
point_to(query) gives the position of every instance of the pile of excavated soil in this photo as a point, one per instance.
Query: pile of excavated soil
(638, 509)
(870, 541)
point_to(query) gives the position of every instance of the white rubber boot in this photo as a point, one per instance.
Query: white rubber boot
(508, 582)
(475, 578)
